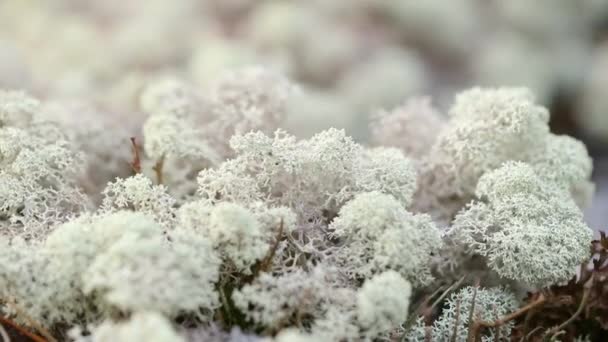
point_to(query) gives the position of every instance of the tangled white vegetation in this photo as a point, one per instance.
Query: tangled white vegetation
(144, 326)
(379, 234)
(229, 228)
(486, 128)
(383, 302)
(518, 224)
(487, 304)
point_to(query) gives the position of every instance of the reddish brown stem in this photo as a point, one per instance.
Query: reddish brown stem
(30, 321)
(572, 318)
(158, 170)
(265, 264)
(478, 325)
(7, 325)
(136, 163)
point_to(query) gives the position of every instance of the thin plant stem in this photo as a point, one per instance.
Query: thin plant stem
(456, 322)
(553, 332)
(502, 321)
(30, 321)
(530, 334)
(158, 169)
(136, 163)
(416, 313)
(4, 334)
(448, 291)
(472, 333)
(266, 263)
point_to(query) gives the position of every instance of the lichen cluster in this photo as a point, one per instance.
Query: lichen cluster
(230, 228)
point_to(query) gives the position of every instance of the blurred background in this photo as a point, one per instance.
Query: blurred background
(349, 57)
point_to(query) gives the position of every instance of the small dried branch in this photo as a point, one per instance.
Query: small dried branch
(16, 329)
(497, 332)
(553, 332)
(448, 291)
(424, 304)
(478, 325)
(471, 336)
(265, 264)
(539, 301)
(158, 169)
(526, 324)
(227, 308)
(530, 334)
(4, 334)
(30, 321)
(136, 163)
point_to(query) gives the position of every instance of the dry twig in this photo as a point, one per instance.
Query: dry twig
(552, 333)
(477, 326)
(136, 163)
(158, 170)
(4, 334)
(30, 321)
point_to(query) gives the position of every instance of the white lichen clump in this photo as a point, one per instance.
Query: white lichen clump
(144, 326)
(138, 193)
(312, 176)
(486, 128)
(185, 270)
(236, 232)
(219, 225)
(518, 224)
(39, 170)
(383, 302)
(379, 234)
